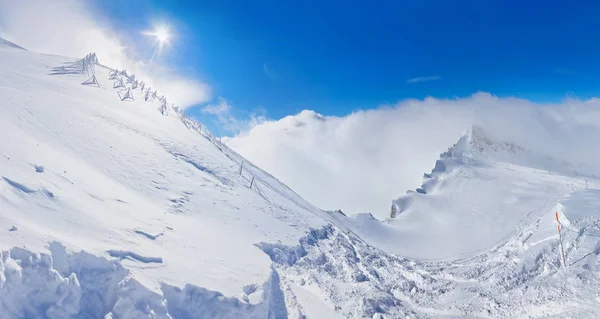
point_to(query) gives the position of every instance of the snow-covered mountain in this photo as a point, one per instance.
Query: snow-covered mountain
(114, 204)
(89, 180)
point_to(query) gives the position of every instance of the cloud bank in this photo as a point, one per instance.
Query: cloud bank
(70, 28)
(361, 162)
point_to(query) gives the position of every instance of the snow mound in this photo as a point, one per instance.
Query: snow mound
(79, 285)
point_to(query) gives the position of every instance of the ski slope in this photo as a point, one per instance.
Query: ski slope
(119, 208)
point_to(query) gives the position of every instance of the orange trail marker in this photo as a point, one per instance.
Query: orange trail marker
(562, 251)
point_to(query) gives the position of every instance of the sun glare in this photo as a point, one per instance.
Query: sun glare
(162, 35)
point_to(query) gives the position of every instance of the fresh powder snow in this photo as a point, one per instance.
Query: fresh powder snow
(115, 204)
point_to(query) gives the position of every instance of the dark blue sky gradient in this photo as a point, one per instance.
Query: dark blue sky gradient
(336, 57)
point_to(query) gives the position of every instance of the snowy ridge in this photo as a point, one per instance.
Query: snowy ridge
(476, 147)
(476, 143)
(114, 204)
(118, 172)
(520, 277)
(475, 198)
(7, 44)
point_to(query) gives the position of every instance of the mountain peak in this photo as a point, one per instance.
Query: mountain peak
(477, 141)
(6, 43)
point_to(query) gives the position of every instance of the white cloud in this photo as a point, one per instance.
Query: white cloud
(222, 107)
(360, 162)
(223, 111)
(69, 28)
(424, 79)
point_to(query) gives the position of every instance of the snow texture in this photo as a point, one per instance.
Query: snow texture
(8, 44)
(141, 215)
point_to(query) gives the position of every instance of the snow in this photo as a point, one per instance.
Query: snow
(133, 210)
(111, 168)
(314, 307)
(475, 198)
(6, 43)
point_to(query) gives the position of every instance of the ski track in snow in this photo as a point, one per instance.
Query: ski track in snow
(151, 216)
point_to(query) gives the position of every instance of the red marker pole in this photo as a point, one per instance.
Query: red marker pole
(562, 251)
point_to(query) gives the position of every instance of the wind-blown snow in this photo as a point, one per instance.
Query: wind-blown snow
(129, 209)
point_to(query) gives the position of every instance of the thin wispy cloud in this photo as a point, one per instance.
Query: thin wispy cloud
(424, 79)
(222, 107)
(270, 72)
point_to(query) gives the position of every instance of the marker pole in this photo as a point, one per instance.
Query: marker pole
(562, 251)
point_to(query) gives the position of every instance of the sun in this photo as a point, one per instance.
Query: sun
(162, 35)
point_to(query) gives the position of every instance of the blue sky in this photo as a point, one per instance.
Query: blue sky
(336, 57)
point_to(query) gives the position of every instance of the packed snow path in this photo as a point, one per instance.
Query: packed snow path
(125, 208)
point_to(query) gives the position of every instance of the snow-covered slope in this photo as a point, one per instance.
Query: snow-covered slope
(480, 192)
(6, 43)
(119, 180)
(120, 208)
(479, 238)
